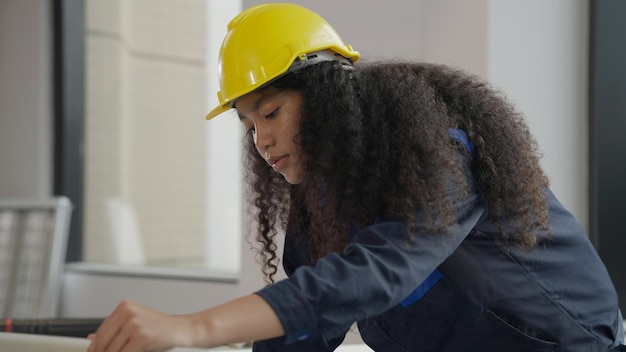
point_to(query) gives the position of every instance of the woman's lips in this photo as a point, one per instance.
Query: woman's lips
(279, 163)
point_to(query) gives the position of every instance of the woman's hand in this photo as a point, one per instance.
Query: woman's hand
(134, 327)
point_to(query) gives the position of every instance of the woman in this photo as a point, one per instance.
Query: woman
(413, 204)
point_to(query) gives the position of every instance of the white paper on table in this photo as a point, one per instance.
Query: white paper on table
(17, 342)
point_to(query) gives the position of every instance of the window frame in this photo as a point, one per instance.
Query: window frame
(68, 102)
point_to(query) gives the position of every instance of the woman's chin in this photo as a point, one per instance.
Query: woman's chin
(292, 180)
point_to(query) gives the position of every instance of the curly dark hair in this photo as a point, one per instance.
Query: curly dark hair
(374, 140)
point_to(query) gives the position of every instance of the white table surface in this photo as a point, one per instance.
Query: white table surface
(15, 342)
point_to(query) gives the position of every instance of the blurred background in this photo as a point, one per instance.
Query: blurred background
(103, 101)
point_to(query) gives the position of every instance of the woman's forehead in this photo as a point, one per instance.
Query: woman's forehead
(255, 97)
(252, 101)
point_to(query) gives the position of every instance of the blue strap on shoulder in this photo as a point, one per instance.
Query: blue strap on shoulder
(461, 136)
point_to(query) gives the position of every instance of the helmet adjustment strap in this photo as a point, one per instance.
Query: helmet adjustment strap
(316, 57)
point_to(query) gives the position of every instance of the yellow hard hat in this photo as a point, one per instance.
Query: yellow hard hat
(264, 41)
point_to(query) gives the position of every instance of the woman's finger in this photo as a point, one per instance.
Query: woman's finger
(111, 328)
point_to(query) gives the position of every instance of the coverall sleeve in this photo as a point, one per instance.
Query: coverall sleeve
(375, 272)
(279, 344)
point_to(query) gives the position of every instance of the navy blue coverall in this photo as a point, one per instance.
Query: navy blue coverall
(463, 292)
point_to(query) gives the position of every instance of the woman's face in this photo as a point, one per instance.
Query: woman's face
(272, 118)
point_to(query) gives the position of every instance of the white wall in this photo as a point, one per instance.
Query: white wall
(535, 50)
(25, 98)
(539, 56)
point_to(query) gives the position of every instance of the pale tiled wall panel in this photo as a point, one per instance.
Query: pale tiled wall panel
(168, 149)
(166, 27)
(104, 16)
(145, 138)
(104, 147)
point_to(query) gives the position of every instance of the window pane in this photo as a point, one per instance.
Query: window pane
(145, 136)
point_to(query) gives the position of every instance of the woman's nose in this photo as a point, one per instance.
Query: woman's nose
(263, 140)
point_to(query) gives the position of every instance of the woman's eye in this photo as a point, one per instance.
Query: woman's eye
(271, 114)
(251, 131)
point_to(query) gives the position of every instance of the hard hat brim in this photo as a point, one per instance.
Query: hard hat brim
(217, 111)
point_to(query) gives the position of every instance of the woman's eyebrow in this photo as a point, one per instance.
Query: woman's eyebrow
(257, 103)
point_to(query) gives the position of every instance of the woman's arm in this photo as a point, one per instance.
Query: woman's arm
(134, 327)
(378, 269)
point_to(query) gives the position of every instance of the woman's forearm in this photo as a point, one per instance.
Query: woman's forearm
(134, 327)
(244, 319)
